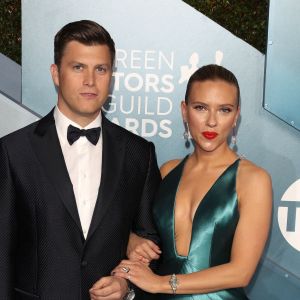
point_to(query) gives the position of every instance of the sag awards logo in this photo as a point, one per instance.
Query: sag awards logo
(289, 215)
(144, 94)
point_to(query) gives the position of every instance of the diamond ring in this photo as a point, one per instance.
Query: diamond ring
(125, 269)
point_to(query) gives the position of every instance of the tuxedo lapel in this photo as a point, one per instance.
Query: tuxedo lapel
(112, 162)
(47, 148)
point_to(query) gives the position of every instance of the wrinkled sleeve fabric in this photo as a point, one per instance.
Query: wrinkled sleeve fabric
(143, 224)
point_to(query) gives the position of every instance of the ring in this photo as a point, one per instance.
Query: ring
(125, 269)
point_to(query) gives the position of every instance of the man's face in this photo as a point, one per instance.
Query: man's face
(83, 81)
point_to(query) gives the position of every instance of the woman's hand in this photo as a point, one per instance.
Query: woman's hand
(139, 274)
(141, 249)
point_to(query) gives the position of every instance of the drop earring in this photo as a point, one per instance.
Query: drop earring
(186, 134)
(233, 139)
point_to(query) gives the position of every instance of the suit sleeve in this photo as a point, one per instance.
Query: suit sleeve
(7, 226)
(143, 224)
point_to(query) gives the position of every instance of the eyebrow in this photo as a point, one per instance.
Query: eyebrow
(100, 65)
(203, 103)
(75, 62)
(228, 104)
(81, 63)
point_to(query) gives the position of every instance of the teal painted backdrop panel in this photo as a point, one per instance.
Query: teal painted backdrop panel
(282, 89)
(159, 44)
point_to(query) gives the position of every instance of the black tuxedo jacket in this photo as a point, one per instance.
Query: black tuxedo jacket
(43, 253)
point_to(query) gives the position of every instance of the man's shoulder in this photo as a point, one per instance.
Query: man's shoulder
(19, 134)
(126, 134)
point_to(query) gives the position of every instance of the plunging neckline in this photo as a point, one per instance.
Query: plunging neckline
(198, 206)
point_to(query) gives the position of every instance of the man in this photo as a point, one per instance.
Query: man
(70, 196)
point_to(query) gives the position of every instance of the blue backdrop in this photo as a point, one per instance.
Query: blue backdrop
(283, 62)
(159, 44)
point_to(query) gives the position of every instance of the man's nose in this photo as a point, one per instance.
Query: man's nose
(89, 78)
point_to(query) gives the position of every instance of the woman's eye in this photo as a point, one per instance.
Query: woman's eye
(226, 109)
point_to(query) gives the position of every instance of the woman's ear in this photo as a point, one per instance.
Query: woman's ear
(237, 116)
(184, 111)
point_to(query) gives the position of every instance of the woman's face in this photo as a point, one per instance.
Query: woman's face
(212, 111)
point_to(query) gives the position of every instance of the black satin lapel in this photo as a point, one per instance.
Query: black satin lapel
(112, 162)
(47, 148)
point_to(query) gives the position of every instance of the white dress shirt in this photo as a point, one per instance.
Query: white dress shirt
(84, 162)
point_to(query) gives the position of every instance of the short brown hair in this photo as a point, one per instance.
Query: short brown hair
(86, 32)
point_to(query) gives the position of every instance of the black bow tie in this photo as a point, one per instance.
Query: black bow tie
(75, 133)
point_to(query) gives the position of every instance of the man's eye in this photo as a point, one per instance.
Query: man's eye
(102, 69)
(199, 107)
(77, 67)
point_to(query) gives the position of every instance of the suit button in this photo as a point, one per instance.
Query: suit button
(84, 263)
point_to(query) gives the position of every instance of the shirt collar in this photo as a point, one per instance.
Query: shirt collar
(62, 123)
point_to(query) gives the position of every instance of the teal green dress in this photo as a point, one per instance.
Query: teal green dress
(213, 229)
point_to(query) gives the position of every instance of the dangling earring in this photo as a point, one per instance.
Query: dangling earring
(233, 138)
(186, 134)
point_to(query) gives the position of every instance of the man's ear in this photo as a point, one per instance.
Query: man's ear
(55, 74)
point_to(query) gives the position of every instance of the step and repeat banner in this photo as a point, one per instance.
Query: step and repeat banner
(159, 45)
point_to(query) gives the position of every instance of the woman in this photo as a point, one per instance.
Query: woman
(213, 208)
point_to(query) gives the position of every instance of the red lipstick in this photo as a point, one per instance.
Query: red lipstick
(209, 134)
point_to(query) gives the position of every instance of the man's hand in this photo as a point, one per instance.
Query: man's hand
(141, 249)
(109, 288)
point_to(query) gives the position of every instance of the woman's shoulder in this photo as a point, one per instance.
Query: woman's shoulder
(168, 166)
(252, 177)
(250, 170)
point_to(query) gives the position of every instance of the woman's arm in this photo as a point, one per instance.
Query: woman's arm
(255, 205)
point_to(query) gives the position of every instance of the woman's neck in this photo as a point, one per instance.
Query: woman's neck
(220, 156)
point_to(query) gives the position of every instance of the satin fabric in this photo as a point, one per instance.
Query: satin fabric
(213, 229)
